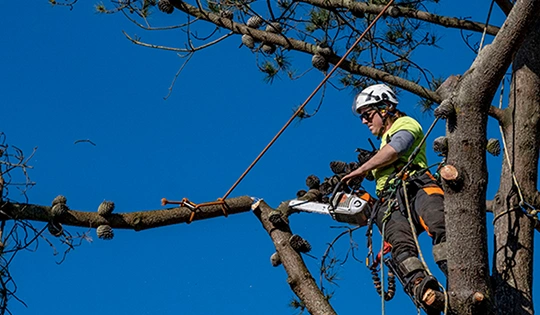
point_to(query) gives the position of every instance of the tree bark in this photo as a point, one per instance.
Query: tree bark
(396, 11)
(514, 231)
(465, 203)
(300, 279)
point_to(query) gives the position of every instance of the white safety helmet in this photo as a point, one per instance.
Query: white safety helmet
(372, 95)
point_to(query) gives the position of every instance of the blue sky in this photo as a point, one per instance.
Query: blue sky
(69, 75)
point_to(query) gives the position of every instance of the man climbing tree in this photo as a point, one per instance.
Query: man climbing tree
(322, 30)
(415, 196)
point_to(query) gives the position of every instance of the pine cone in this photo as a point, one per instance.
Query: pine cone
(268, 48)
(325, 188)
(355, 182)
(324, 50)
(440, 145)
(394, 11)
(274, 27)
(299, 244)
(319, 62)
(364, 155)
(338, 167)
(255, 21)
(105, 232)
(165, 6)
(105, 208)
(313, 182)
(59, 199)
(493, 147)
(275, 260)
(353, 166)
(248, 41)
(228, 14)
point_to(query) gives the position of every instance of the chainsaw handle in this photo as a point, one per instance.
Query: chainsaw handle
(336, 189)
(339, 185)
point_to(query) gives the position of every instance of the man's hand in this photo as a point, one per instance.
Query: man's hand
(385, 156)
(359, 172)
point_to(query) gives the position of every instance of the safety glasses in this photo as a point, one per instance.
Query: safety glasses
(367, 115)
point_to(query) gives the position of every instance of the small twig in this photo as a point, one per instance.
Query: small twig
(85, 140)
(163, 28)
(177, 74)
(135, 41)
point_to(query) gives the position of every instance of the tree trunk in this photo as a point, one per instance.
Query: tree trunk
(513, 262)
(465, 204)
(469, 280)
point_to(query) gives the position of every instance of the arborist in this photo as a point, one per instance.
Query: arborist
(400, 135)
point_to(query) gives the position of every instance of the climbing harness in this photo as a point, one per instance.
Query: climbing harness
(394, 182)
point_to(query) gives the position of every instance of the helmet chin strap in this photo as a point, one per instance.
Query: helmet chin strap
(380, 112)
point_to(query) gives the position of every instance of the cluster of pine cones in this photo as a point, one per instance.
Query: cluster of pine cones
(320, 192)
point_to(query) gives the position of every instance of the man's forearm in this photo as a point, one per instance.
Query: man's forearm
(385, 156)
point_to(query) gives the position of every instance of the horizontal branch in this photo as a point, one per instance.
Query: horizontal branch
(301, 46)
(137, 221)
(398, 11)
(380, 75)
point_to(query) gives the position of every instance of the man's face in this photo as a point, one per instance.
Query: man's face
(372, 119)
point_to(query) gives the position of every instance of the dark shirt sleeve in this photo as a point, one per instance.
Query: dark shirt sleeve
(401, 141)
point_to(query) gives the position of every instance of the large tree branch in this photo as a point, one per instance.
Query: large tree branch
(301, 46)
(505, 5)
(398, 11)
(300, 279)
(388, 78)
(137, 221)
(496, 113)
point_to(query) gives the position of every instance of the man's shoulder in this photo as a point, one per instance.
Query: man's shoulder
(407, 123)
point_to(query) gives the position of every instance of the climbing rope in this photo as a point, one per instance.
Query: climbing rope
(530, 211)
(301, 108)
(400, 178)
(486, 25)
(385, 219)
(221, 201)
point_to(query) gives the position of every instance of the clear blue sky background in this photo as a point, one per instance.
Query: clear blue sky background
(69, 75)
